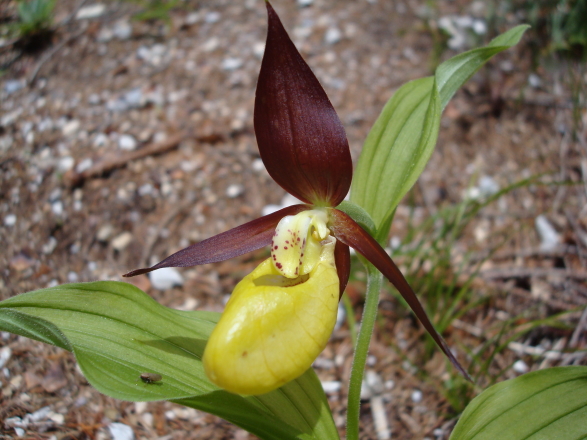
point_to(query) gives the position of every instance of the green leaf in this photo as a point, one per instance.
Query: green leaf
(117, 332)
(403, 137)
(545, 404)
(359, 215)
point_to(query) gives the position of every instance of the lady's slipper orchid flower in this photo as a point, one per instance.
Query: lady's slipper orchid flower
(280, 317)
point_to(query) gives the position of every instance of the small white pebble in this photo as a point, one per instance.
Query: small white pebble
(520, 367)
(91, 11)
(189, 304)
(140, 407)
(65, 164)
(231, 63)
(395, 242)
(100, 140)
(71, 127)
(72, 277)
(56, 418)
(331, 386)
(5, 355)
(127, 142)
(19, 432)
(169, 415)
(105, 232)
(40, 414)
(374, 382)
(258, 165)
(416, 396)
(340, 316)
(120, 242)
(84, 165)
(147, 419)
(10, 220)
(212, 17)
(50, 246)
(534, 80)
(479, 27)
(234, 191)
(270, 209)
(120, 431)
(259, 49)
(549, 237)
(146, 189)
(333, 35)
(57, 208)
(166, 278)
(323, 363)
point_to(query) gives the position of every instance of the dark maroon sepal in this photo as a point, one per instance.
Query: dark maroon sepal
(232, 243)
(342, 259)
(350, 233)
(301, 139)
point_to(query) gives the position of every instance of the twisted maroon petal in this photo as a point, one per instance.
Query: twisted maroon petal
(301, 139)
(350, 233)
(342, 259)
(232, 243)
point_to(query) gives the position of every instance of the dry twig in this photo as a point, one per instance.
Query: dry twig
(120, 160)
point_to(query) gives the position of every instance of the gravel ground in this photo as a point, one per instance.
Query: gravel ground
(136, 139)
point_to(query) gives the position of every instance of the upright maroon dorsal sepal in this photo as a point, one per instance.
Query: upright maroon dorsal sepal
(301, 139)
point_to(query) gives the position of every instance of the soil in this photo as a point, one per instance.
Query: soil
(107, 88)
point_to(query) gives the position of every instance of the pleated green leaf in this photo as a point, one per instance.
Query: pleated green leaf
(117, 332)
(548, 404)
(403, 137)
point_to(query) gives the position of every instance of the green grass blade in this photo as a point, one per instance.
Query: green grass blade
(117, 332)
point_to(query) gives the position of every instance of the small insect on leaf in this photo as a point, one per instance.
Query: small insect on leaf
(150, 377)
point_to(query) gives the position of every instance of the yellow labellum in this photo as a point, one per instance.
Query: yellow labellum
(273, 327)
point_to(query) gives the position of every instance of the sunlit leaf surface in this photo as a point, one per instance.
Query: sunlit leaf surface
(117, 332)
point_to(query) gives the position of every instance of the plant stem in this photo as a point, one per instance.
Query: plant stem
(374, 279)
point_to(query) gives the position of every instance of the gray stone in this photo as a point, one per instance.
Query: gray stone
(231, 64)
(332, 36)
(122, 30)
(234, 191)
(127, 142)
(121, 241)
(165, 278)
(549, 237)
(120, 431)
(10, 220)
(90, 11)
(71, 127)
(212, 17)
(13, 86)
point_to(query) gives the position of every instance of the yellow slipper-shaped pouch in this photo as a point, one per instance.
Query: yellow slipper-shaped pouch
(273, 327)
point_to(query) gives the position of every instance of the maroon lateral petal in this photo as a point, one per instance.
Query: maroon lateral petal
(349, 232)
(301, 139)
(342, 259)
(232, 243)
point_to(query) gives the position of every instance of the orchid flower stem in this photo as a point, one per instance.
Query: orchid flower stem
(362, 350)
